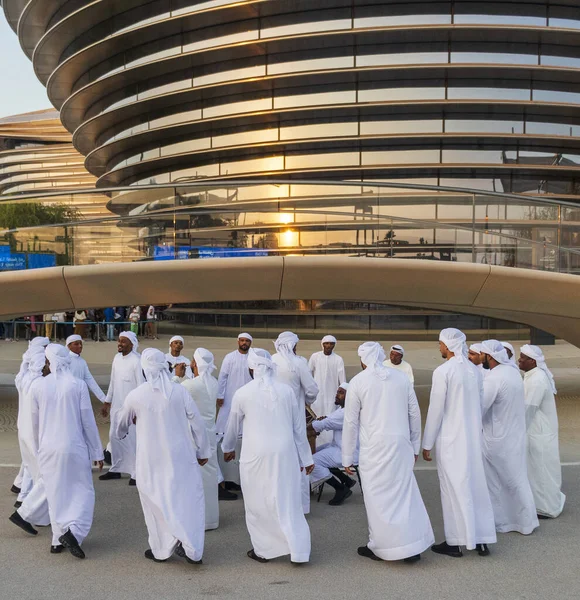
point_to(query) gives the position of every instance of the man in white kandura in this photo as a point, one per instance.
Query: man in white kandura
(327, 368)
(454, 426)
(544, 468)
(382, 409)
(126, 375)
(328, 457)
(395, 361)
(23, 482)
(33, 507)
(504, 443)
(174, 357)
(203, 390)
(293, 370)
(233, 375)
(511, 354)
(172, 443)
(475, 356)
(68, 440)
(79, 367)
(274, 447)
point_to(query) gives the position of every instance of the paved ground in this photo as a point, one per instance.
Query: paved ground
(544, 565)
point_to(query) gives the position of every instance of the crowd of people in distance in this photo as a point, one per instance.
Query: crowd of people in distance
(278, 427)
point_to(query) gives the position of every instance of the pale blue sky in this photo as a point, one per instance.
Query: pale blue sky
(20, 90)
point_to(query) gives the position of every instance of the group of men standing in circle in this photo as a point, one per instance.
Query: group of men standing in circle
(188, 440)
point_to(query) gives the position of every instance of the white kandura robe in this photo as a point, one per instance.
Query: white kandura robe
(205, 400)
(174, 360)
(171, 436)
(328, 373)
(126, 375)
(404, 367)
(385, 415)
(234, 374)
(544, 468)
(273, 448)
(306, 390)
(68, 442)
(80, 369)
(454, 426)
(24, 478)
(34, 507)
(504, 451)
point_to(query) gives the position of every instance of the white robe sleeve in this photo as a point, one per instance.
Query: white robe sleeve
(312, 364)
(350, 428)
(436, 409)
(93, 385)
(35, 416)
(490, 391)
(223, 377)
(234, 426)
(110, 391)
(534, 395)
(414, 420)
(197, 425)
(125, 418)
(300, 438)
(90, 431)
(341, 372)
(307, 382)
(334, 422)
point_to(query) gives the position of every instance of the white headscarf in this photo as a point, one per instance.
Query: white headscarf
(39, 341)
(372, 356)
(399, 349)
(156, 371)
(175, 338)
(205, 365)
(260, 362)
(73, 338)
(132, 338)
(455, 341)
(476, 348)
(536, 354)
(343, 386)
(496, 350)
(328, 339)
(285, 345)
(35, 369)
(58, 359)
(246, 336)
(512, 358)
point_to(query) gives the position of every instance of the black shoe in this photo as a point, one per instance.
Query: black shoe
(412, 559)
(107, 460)
(69, 541)
(56, 549)
(108, 475)
(223, 494)
(132, 481)
(539, 516)
(445, 548)
(482, 549)
(17, 504)
(367, 553)
(340, 496)
(343, 478)
(251, 554)
(232, 486)
(15, 490)
(149, 555)
(20, 522)
(181, 553)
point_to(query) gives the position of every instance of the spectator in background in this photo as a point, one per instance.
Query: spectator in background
(60, 325)
(79, 319)
(134, 317)
(69, 324)
(48, 326)
(150, 331)
(121, 311)
(109, 314)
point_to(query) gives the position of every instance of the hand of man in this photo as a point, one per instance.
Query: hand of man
(99, 463)
(106, 409)
(309, 469)
(134, 420)
(202, 461)
(427, 455)
(220, 402)
(179, 369)
(416, 457)
(229, 456)
(349, 470)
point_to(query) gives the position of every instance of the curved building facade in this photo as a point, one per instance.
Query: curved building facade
(472, 94)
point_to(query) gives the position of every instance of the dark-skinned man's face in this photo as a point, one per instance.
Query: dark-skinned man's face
(340, 397)
(526, 363)
(474, 357)
(124, 345)
(244, 344)
(444, 350)
(46, 368)
(509, 352)
(328, 347)
(485, 361)
(176, 347)
(396, 357)
(76, 347)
